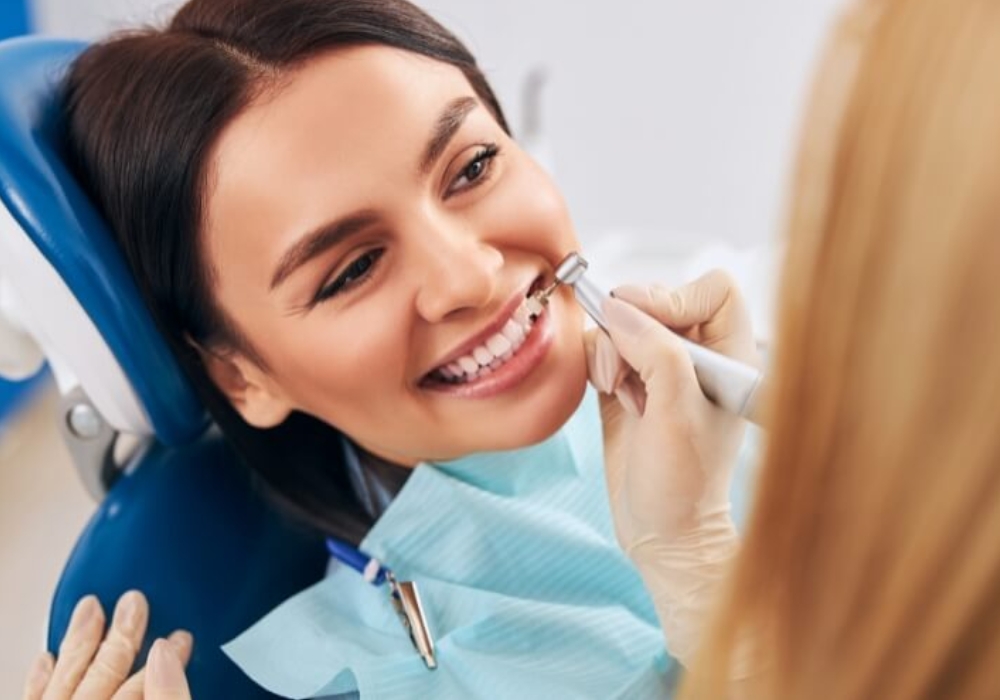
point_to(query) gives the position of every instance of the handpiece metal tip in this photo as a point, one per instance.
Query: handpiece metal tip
(571, 268)
(568, 271)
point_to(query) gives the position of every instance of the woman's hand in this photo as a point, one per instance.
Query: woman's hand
(670, 452)
(93, 665)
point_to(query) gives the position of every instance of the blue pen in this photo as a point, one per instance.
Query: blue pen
(369, 567)
(403, 595)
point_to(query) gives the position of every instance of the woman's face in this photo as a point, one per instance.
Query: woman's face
(373, 232)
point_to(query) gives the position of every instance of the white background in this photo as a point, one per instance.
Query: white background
(664, 117)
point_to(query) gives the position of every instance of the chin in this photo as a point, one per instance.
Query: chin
(557, 397)
(543, 415)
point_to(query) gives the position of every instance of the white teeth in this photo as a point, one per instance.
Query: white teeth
(482, 356)
(497, 349)
(533, 307)
(498, 345)
(514, 332)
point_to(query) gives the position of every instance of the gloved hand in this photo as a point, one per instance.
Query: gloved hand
(669, 452)
(92, 666)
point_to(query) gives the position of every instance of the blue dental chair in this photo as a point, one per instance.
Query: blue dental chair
(180, 519)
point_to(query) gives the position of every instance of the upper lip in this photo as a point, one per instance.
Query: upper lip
(491, 329)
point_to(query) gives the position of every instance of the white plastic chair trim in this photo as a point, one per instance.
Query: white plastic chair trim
(68, 338)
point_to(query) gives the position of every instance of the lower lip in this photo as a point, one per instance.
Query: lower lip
(511, 373)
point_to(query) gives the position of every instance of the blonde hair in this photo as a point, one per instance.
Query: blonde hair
(871, 562)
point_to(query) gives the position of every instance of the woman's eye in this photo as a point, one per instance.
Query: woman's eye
(476, 170)
(357, 272)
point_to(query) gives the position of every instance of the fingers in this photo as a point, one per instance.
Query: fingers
(712, 305)
(632, 396)
(118, 650)
(590, 350)
(38, 677)
(86, 627)
(610, 374)
(165, 678)
(81, 675)
(605, 366)
(655, 353)
(689, 305)
(134, 689)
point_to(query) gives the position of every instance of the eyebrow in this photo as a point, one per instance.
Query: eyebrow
(319, 240)
(447, 124)
(327, 236)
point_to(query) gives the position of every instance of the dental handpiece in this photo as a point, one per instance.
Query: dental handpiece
(730, 384)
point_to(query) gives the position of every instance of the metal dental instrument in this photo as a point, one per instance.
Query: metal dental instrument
(729, 384)
(406, 601)
(403, 595)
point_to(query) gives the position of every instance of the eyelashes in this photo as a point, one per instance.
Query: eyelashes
(474, 173)
(356, 273)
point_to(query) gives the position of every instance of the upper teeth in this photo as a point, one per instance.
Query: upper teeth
(497, 349)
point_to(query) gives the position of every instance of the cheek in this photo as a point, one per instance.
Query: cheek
(533, 213)
(337, 372)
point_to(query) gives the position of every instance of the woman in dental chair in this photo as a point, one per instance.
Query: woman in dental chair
(324, 210)
(870, 566)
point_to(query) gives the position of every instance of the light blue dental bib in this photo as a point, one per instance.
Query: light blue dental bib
(526, 592)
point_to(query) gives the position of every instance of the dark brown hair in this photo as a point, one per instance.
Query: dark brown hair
(144, 110)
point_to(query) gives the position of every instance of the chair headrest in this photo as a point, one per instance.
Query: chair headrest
(83, 306)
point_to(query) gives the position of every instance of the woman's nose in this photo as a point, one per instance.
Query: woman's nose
(461, 271)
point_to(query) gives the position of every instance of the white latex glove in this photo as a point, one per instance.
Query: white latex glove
(93, 665)
(669, 452)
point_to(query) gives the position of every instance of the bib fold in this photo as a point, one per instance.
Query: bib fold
(525, 589)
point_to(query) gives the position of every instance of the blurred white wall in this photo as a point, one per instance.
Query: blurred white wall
(669, 117)
(43, 509)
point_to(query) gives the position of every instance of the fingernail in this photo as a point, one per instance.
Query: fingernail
(127, 612)
(164, 668)
(631, 293)
(182, 642)
(607, 363)
(624, 317)
(86, 611)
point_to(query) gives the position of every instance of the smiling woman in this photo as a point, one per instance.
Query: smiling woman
(327, 215)
(416, 231)
(324, 209)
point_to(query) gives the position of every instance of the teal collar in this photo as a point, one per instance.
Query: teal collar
(524, 587)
